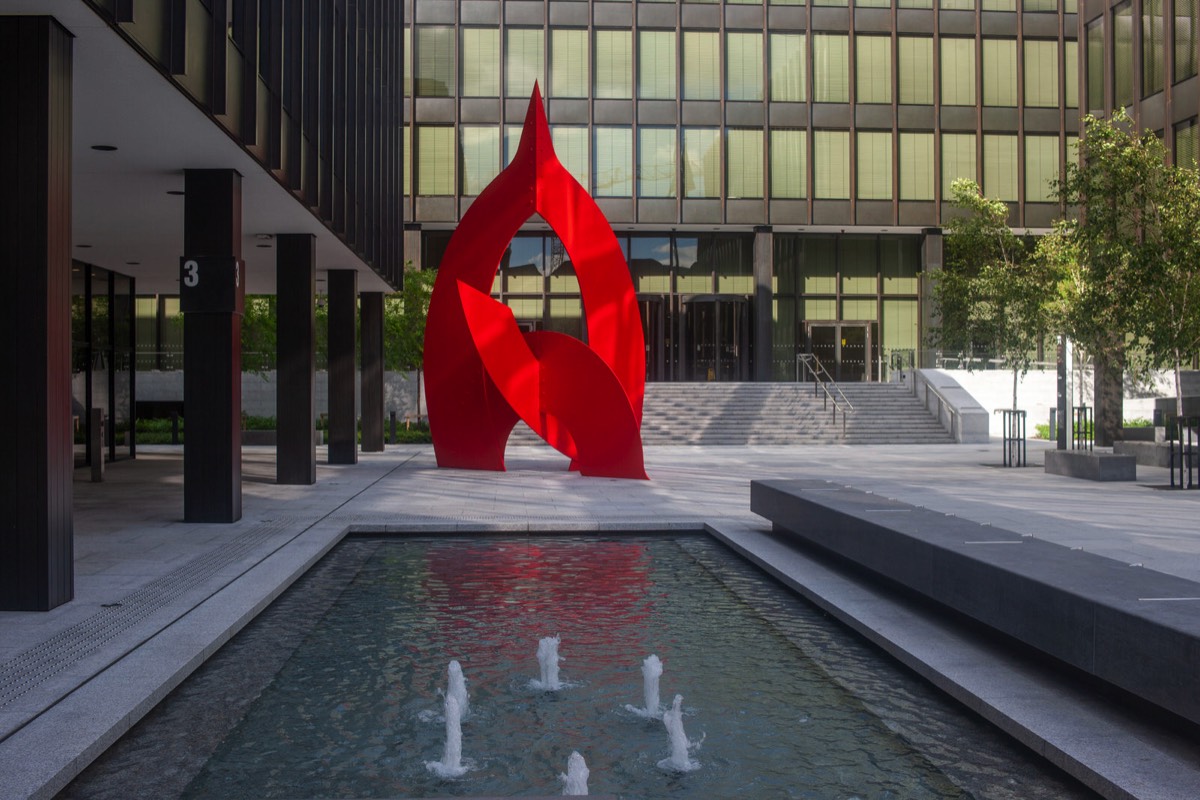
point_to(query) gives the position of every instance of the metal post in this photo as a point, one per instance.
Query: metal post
(96, 432)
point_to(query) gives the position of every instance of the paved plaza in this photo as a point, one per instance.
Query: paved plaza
(154, 597)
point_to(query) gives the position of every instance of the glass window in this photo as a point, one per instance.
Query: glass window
(701, 162)
(512, 138)
(900, 265)
(1040, 5)
(1123, 56)
(831, 75)
(435, 160)
(571, 147)
(958, 159)
(1187, 143)
(874, 165)
(522, 266)
(1153, 58)
(789, 162)
(1007, 5)
(914, 4)
(916, 166)
(744, 163)
(743, 66)
(568, 62)
(1041, 73)
(858, 264)
(656, 67)
(406, 165)
(1095, 65)
(408, 87)
(1072, 143)
(613, 173)
(1071, 73)
(650, 260)
(1000, 72)
(916, 70)
(614, 64)
(958, 72)
(1185, 39)
(873, 73)
(900, 325)
(481, 62)
(788, 80)
(435, 62)
(1041, 168)
(701, 65)
(958, 5)
(656, 162)
(480, 156)
(831, 165)
(524, 61)
(1000, 166)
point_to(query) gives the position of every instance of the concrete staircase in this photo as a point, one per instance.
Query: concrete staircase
(777, 414)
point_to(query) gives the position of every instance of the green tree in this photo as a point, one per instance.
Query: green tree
(1124, 290)
(991, 294)
(258, 334)
(404, 322)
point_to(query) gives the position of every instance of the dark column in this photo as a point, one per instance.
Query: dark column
(371, 338)
(296, 346)
(764, 316)
(343, 292)
(412, 245)
(931, 264)
(212, 352)
(36, 462)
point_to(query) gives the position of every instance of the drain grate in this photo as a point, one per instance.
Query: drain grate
(41, 662)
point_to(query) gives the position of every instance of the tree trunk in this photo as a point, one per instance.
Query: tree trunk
(1178, 386)
(1109, 395)
(1016, 375)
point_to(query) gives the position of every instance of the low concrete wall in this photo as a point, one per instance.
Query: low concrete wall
(1083, 609)
(955, 409)
(1148, 454)
(258, 392)
(1091, 466)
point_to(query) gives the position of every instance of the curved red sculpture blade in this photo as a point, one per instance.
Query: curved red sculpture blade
(482, 373)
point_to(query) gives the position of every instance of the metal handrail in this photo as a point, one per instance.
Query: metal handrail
(943, 405)
(821, 382)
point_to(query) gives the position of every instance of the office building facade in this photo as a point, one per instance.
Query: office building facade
(778, 172)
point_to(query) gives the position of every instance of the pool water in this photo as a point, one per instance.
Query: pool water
(334, 692)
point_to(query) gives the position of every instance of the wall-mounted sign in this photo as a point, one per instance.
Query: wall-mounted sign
(212, 284)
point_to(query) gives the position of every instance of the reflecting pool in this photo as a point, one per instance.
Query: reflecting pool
(335, 691)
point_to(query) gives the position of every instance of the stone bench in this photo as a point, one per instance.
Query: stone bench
(1131, 627)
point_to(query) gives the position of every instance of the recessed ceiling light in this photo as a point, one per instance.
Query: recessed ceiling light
(104, 148)
(132, 263)
(262, 245)
(178, 192)
(84, 246)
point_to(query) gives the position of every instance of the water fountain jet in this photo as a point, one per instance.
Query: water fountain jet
(575, 781)
(548, 658)
(679, 760)
(652, 670)
(457, 688)
(451, 765)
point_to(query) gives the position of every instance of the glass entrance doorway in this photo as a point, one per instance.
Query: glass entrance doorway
(844, 348)
(716, 338)
(657, 333)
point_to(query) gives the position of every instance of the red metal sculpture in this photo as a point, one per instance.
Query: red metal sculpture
(483, 373)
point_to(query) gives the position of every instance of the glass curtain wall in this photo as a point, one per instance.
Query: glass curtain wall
(102, 358)
(853, 301)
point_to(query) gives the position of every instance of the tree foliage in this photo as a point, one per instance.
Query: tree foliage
(1128, 288)
(404, 316)
(992, 295)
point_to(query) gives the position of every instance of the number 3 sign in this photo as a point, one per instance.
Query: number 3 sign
(211, 284)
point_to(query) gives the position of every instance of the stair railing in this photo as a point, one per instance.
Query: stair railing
(807, 365)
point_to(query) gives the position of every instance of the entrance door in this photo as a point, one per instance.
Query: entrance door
(716, 335)
(843, 348)
(656, 333)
